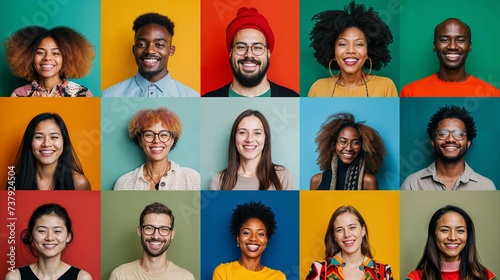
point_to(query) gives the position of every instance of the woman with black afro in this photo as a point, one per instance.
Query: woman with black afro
(355, 41)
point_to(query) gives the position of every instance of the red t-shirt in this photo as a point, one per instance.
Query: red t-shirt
(432, 86)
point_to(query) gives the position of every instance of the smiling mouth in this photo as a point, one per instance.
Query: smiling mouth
(47, 67)
(252, 247)
(451, 246)
(351, 61)
(47, 153)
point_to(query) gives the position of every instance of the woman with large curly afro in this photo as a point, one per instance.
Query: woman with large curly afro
(350, 153)
(46, 58)
(355, 41)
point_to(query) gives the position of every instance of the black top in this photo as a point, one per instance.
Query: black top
(276, 91)
(326, 177)
(70, 274)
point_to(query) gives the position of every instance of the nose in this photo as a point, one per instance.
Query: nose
(452, 44)
(150, 48)
(48, 236)
(351, 48)
(450, 137)
(452, 236)
(249, 52)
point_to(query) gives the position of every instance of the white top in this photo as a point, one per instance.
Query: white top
(177, 178)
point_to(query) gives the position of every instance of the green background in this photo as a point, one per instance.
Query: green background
(120, 218)
(83, 16)
(418, 20)
(311, 70)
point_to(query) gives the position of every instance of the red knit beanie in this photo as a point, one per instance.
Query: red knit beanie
(249, 18)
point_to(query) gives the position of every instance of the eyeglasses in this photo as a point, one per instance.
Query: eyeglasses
(149, 135)
(342, 142)
(242, 48)
(150, 230)
(443, 134)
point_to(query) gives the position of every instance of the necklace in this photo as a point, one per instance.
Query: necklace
(157, 184)
(362, 80)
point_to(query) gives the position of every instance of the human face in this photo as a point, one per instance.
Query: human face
(155, 244)
(348, 233)
(153, 46)
(252, 239)
(48, 59)
(452, 44)
(451, 149)
(50, 236)
(47, 144)
(451, 236)
(250, 138)
(156, 150)
(249, 69)
(350, 152)
(351, 50)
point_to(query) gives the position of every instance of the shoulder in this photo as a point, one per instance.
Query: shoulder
(184, 90)
(81, 182)
(21, 91)
(13, 275)
(215, 181)
(483, 182)
(385, 86)
(321, 87)
(281, 91)
(414, 275)
(409, 89)
(123, 269)
(120, 184)
(220, 92)
(315, 181)
(413, 181)
(84, 275)
(370, 182)
(181, 273)
(489, 89)
(284, 176)
(115, 89)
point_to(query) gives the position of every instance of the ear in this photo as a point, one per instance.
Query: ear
(172, 234)
(468, 144)
(268, 54)
(434, 48)
(172, 50)
(139, 231)
(133, 49)
(433, 144)
(470, 48)
(363, 231)
(69, 238)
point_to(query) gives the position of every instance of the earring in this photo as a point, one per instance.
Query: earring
(369, 72)
(330, 68)
(237, 244)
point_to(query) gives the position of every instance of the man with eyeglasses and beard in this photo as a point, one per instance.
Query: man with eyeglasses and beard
(451, 130)
(250, 42)
(156, 230)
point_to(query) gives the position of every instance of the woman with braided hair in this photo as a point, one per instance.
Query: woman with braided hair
(350, 153)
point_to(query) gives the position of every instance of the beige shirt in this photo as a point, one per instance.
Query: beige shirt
(427, 179)
(177, 178)
(377, 87)
(252, 183)
(133, 271)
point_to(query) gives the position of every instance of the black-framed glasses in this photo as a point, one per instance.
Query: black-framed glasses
(242, 48)
(443, 134)
(150, 230)
(342, 142)
(149, 135)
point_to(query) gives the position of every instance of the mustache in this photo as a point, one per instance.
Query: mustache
(245, 60)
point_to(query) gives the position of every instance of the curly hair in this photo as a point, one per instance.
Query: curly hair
(452, 112)
(77, 52)
(372, 145)
(331, 23)
(257, 210)
(148, 117)
(153, 18)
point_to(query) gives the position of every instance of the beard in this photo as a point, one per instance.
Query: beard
(155, 253)
(249, 80)
(150, 74)
(450, 159)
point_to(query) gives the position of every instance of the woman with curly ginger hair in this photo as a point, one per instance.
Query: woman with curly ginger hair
(349, 154)
(46, 58)
(351, 40)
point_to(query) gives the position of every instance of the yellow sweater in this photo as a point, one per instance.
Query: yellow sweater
(377, 87)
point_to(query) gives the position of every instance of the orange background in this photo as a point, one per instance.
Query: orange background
(82, 118)
(283, 17)
(117, 38)
(380, 209)
(84, 211)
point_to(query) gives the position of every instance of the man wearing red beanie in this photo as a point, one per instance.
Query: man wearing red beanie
(250, 42)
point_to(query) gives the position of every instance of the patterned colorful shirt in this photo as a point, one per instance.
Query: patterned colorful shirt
(66, 89)
(332, 268)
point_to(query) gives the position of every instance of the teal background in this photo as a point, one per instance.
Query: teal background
(311, 70)
(120, 155)
(417, 209)
(382, 114)
(120, 212)
(83, 16)
(282, 114)
(416, 149)
(418, 20)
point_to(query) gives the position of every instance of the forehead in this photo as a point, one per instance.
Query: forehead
(451, 218)
(152, 31)
(249, 35)
(47, 41)
(250, 121)
(348, 132)
(157, 219)
(47, 125)
(452, 27)
(345, 219)
(50, 220)
(351, 33)
(253, 223)
(451, 123)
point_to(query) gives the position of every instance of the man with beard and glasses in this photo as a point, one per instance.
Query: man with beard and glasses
(152, 48)
(250, 42)
(451, 130)
(452, 44)
(156, 230)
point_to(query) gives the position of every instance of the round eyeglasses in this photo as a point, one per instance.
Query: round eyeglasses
(242, 48)
(342, 142)
(149, 135)
(443, 134)
(150, 230)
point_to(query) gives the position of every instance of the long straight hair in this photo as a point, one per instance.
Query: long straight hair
(266, 169)
(470, 266)
(26, 162)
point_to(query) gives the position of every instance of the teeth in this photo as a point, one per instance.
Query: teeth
(49, 246)
(47, 67)
(253, 247)
(149, 60)
(156, 149)
(350, 60)
(348, 242)
(452, 55)
(452, 246)
(46, 152)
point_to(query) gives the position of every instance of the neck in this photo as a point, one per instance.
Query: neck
(352, 81)
(248, 168)
(155, 78)
(450, 169)
(44, 175)
(49, 83)
(49, 268)
(452, 75)
(154, 264)
(355, 259)
(157, 167)
(257, 90)
(252, 264)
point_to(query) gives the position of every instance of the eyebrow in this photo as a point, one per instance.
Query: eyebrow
(154, 39)
(50, 133)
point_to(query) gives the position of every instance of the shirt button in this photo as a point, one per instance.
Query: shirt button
(162, 184)
(151, 93)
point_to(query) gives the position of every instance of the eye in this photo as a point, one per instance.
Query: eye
(258, 48)
(38, 137)
(56, 53)
(140, 44)
(242, 132)
(341, 44)
(54, 137)
(42, 231)
(444, 40)
(160, 45)
(261, 234)
(40, 52)
(360, 45)
(461, 231)
(258, 133)
(444, 230)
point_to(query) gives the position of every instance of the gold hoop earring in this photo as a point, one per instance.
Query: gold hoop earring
(330, 68)
(369, 72)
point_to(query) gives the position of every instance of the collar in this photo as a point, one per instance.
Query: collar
(338, 261)
(465, 177)
(160, 85)
(173, 168)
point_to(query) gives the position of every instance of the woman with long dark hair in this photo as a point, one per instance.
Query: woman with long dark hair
(249, 164)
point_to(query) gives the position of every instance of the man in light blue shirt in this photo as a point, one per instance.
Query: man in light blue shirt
(152, 48)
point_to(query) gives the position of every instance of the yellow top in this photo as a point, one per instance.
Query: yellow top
(234, 271)
(377, 87)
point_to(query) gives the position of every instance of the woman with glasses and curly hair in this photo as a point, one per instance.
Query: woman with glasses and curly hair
(156, 132)
(350, 153)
